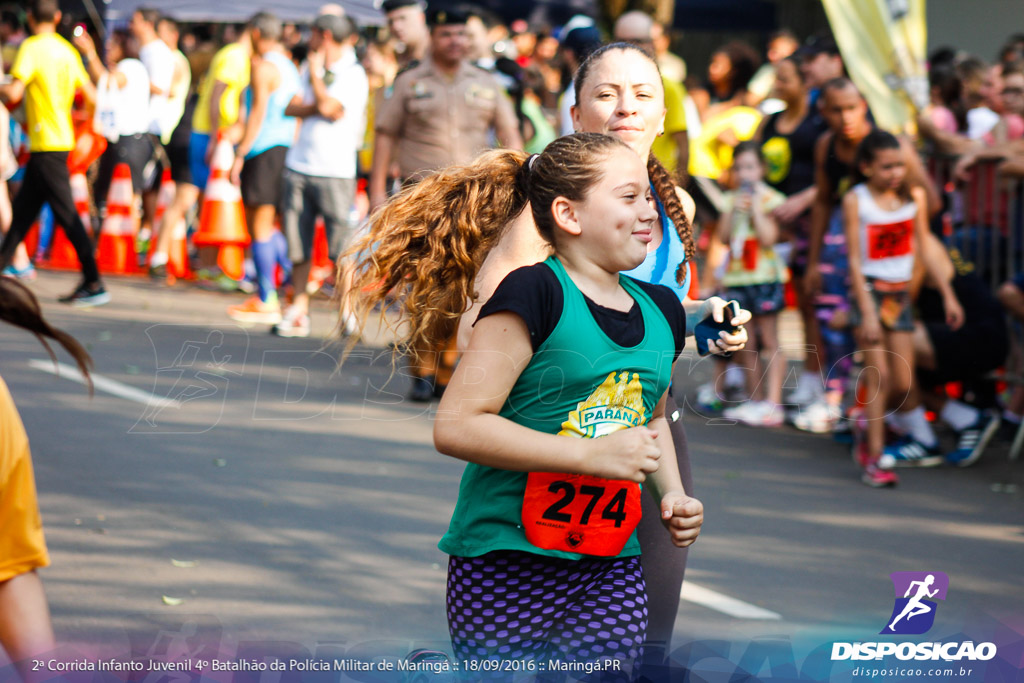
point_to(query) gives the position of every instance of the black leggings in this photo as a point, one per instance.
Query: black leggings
(47, 180)
(664, 564)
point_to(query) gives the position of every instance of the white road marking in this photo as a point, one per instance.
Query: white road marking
(102, 383)
(723, 603)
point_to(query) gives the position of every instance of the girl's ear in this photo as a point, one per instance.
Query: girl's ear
(564, 212)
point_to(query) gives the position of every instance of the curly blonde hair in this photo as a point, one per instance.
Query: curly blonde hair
(425, 247)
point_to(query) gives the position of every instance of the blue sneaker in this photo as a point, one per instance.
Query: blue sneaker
(973, 440)
(910, 453)
(26, 273)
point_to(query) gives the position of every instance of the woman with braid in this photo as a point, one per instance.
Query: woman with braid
(25, 629)
(619, 93)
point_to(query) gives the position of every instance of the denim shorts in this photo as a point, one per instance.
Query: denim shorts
(894, 308)
(763, 299)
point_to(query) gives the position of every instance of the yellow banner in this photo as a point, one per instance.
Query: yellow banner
(884, 45)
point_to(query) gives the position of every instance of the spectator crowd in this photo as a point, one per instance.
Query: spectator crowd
(878, 242)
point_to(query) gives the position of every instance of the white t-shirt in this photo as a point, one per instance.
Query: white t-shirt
(133, 98)
(980, 121)
(159, 61)
(328, 148)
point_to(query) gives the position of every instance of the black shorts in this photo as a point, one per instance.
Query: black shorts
(970, 352)
(177, 155)
(134, 150)
(261, 177)
(153, 174)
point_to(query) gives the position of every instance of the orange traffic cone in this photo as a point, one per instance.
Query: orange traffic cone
(117, 236)
(222, 218)
(177, 257)
(323, 266)
(31, 240)
(62, 255)
(164, 197)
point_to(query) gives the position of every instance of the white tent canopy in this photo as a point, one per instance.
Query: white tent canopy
(362, 11)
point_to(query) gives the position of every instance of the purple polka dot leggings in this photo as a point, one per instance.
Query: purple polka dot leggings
(517, 606)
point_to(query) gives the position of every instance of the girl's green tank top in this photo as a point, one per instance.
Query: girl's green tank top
(578, 384)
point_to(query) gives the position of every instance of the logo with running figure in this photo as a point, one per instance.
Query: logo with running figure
(914, 610)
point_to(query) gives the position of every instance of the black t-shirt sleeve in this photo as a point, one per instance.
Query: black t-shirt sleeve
(672, 308)
(532, 293)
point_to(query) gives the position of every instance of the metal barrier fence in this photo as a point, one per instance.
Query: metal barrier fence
(983, 217)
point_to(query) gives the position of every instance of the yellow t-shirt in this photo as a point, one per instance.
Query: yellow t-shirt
(52, 71)
(664, 146)
(230, 66)
(22, 547)
(708, 155)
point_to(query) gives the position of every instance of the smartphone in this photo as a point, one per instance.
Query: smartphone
(709, 328)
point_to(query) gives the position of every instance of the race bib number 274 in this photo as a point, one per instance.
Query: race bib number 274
(580, 514)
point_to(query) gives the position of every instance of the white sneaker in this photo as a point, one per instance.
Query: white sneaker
(756, 414)
(807, 391)
(294, 323)
(735, 378)
(818, 417)
(707, 399)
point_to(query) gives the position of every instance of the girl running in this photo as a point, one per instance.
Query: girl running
(886, 220)
(754, 278)
(544, 557)
(25, 629)
(619, 93)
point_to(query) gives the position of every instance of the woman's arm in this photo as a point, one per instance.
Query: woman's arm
(469, 428)
(681, 514)
(934, 267)
(820, 208)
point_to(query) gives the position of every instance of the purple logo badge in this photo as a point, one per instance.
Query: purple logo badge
(914, 610)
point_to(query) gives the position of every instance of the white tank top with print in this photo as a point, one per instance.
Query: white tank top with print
(886, 238)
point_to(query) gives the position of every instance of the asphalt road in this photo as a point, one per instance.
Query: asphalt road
(283, 499)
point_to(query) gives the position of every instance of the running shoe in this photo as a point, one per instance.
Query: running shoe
(973, 440)
(818, 417)
(86, 296)
(858, 424)
(843, 431)
(256, 311)
(708, 400)
(349, 324)
(910, 453)
(756, 414)
(877, 477)
(26, 273)
(158, 273)
(806, 392)
(294, 323)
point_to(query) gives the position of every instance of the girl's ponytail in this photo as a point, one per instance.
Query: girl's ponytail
(425, 247)
(19, 307)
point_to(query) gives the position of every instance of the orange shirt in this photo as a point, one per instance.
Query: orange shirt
(22, 547)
